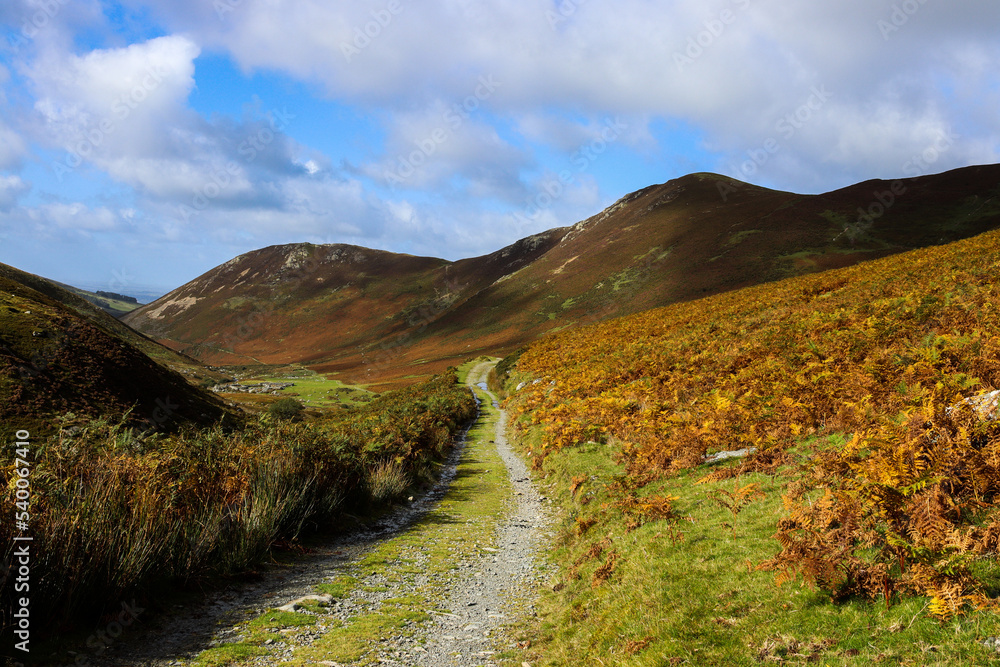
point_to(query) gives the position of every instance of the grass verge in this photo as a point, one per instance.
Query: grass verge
(686, 590)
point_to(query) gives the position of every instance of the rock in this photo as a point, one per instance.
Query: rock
(721, 456)
(295, 605)
(992, 643)
(985, 404)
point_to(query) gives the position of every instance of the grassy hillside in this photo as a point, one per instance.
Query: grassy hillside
(862, 527)
(377, 317)
(60, 354)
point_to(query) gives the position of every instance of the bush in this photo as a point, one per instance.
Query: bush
(286, 408)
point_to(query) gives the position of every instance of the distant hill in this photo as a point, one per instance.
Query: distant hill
(383, 317)
(110, 302)
(60, 353)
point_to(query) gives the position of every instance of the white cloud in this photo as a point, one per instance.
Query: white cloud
(731, 67)
(11, 188)
(61, 218)
(452, 148)
(13, 147)
(132, 86)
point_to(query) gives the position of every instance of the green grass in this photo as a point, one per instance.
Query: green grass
(228, 654)
(114, 306)
(275, 619)
(689, 592)
(200, 505)
(316, 390)
(340, 587)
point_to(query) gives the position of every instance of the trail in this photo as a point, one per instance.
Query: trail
(435, 584)
(462, 638)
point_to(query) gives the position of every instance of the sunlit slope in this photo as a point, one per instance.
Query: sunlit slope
(378, 316)
(876, 360)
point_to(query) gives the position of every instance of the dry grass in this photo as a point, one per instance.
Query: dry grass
(113, 513)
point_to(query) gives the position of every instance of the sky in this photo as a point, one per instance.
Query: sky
(143, 142)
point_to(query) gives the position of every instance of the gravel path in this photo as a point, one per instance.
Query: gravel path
(496, 580)
(465, 611)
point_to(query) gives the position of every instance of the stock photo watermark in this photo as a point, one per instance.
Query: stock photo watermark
(120, 279)
(786, 128)
(371, 30)
(20, 566)
(223, 8)
(883, 200)
(405, 166)
(222, 177)
(901, 14)
(712, 30)
(252, 324)
(421, 317)
(586, 155)
(100, 641)
(122, 107)
(563, 12)
(33, 25)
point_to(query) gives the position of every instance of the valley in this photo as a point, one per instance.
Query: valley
(509, 459)
(499, 334)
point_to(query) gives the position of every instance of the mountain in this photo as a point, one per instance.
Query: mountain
(381, 317)
(60, 353)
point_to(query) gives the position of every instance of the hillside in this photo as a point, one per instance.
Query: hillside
(60, 353)
(378, 317)
(871, 477)
(110, 302)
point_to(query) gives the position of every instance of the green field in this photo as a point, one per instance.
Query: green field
(315, 390)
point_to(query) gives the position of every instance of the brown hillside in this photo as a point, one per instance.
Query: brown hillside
(379, 317)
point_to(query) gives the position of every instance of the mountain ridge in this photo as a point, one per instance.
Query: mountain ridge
(382, 317)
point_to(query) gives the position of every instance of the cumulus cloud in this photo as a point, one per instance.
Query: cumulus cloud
(733, 67)
(116, 108)
(447, 145)
(13, 147)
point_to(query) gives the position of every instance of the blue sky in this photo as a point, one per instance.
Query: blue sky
(143, 142)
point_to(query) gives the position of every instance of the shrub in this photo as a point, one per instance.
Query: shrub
(286, 408)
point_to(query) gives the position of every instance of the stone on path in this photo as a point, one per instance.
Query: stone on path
(295, 605)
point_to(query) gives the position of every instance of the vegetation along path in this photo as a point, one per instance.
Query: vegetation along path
(439, 584)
